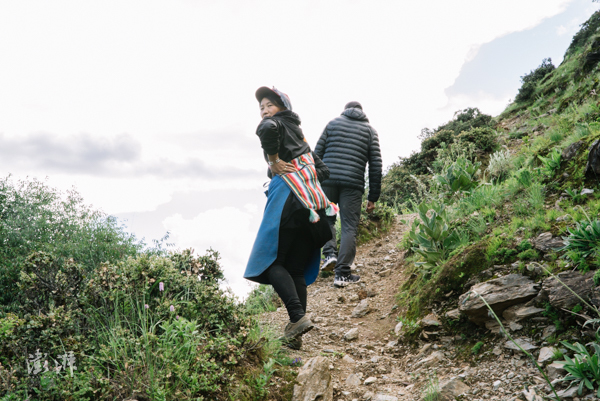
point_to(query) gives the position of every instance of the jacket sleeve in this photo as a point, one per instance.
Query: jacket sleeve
(375, 167)
(268, 133)
(322, 170)
(320, 148)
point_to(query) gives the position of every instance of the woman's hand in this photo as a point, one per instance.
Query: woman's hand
(282, 168)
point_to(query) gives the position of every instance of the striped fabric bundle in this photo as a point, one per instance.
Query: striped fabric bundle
(305, 185)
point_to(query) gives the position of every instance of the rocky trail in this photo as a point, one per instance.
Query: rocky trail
(354, 352)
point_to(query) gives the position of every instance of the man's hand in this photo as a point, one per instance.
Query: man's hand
(370, 207)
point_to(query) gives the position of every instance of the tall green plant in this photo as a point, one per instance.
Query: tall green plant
(551, 164)
(460, 176)
(430, 236)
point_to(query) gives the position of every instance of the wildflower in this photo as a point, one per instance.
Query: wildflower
(146, 306)
(172, 308)
(177, 317)
(161, 286)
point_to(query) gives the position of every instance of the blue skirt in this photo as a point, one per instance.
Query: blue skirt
(264, 251)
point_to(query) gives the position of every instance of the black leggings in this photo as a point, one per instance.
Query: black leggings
(286, 274)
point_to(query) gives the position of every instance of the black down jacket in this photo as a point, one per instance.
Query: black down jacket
(346, 145)
(282, 135)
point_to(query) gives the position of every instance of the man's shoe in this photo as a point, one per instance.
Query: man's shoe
(294, 343)
(295, 330)
(329, 263)
(343, 280)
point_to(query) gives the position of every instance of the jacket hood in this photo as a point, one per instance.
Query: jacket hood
(289, 116)
(355, 113)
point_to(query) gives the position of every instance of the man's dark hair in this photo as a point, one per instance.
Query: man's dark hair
(353, 104)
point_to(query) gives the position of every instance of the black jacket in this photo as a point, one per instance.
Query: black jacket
(282, 134)
(346, 145)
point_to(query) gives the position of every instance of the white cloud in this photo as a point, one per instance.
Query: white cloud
(561, 30)
(229, 230)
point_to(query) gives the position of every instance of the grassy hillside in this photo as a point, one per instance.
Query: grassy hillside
(486, 186)
(89, 313)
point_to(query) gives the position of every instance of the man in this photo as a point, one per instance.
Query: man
(347, 144)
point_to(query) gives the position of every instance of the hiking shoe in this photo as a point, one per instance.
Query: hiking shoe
(295, 330)
(294, 343)
(343, 280)
(329, 263)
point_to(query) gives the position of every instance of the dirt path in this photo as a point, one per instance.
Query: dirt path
(398, 369)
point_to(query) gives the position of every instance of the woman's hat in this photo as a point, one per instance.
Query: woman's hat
(264, 92)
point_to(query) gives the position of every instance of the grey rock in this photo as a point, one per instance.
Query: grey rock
(555, 370)
(587, 191)
(496, 384)
(568, 393)
(561, 297)
(514, 326)
(361, 309)
(548, 331)
(430, 321)
(353, 380)
(385, 273)
(545, 242)
(398, 328)
(524, 343)
(519, 312)
(314, 381)
(500, 294)
(391, 344)
(351, 335)
(452, 388)
(531, 395)
(497, 351)
(592, 168)
(571, 151)
(384, 397)
(370, 380)
(546, 354)
(434, 358)
(453, 314)
(348, 359)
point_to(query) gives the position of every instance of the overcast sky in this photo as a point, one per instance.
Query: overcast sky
(147, 107)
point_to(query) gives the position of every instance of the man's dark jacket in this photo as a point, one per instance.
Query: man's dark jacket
(346, 145)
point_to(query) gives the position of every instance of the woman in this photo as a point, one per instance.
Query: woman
(286, 253)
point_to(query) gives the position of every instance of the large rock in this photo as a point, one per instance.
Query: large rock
(452, 388)
(361, 309)
(500, 294)
(571, 151)
(592, 168)
(545, 242)
(560, 296)
(314, 381)
(519, 312)
(351, 335)
(546, 354)
(353, 380)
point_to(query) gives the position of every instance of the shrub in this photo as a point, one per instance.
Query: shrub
(34, 217)
(551, 164)
(431, 238)
(530, 81)
(583, 240)
(476, 348)
(460, 176)
(499, 166)
(530, 254)
(484, 138)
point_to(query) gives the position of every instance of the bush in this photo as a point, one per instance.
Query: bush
(461, 176)
(430, 237)
(499, 166)
(530, 81)
(34, 217)
(583, 241)
(484, 138)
